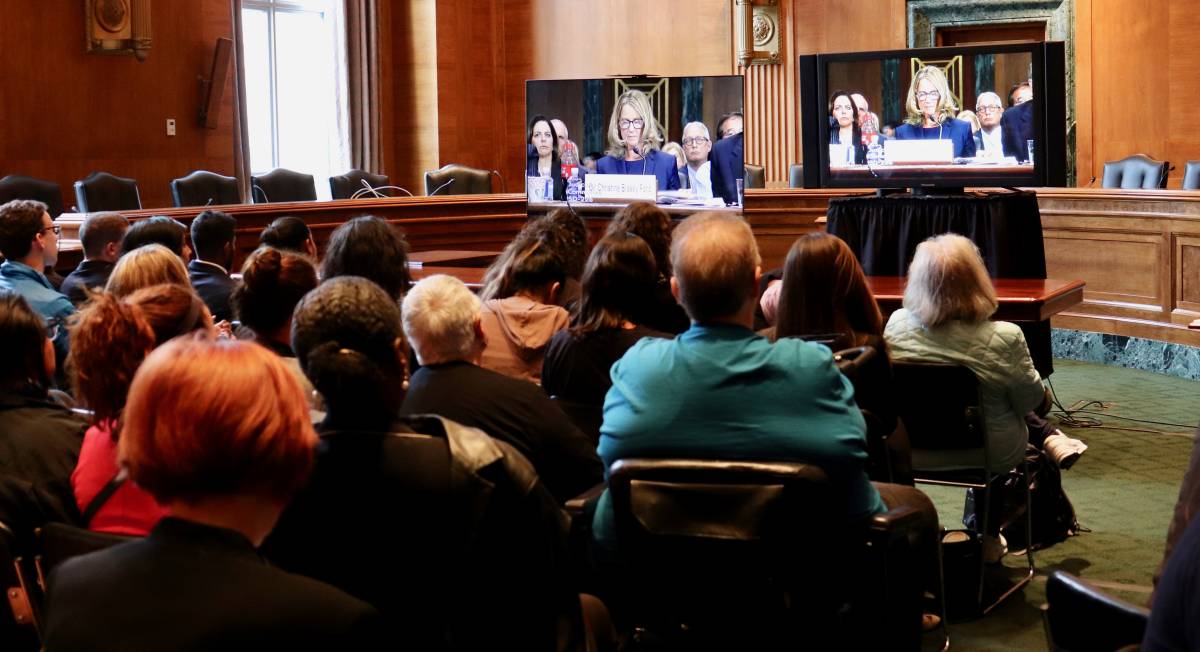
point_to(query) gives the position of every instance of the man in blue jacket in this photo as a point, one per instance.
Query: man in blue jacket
(29, 243)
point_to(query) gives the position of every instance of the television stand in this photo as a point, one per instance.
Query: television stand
(936, 191)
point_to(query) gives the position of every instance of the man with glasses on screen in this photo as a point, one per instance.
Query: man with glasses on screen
(988, 140)
(696, 146)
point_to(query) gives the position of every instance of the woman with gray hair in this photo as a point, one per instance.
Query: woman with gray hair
(947, 305)
(634, 139)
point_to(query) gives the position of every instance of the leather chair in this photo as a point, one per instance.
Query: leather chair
(18, 616)
(204, 188)
(346, 185)
(454, 179)
(101, 191)
(1191, 175)
(280, 185)
(795, 176)
(940, 406)
(1137, 171)
(756, 176)
(1078, 616)
(58, 542)
(15, 186)
(754, 555)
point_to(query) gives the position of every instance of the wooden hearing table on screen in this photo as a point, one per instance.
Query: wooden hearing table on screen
(963, 174)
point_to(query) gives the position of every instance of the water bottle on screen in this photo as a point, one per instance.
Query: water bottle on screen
(569, 161)
(870, 139)
(575, 187)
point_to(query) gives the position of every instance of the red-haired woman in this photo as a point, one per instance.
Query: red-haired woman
(219, 433)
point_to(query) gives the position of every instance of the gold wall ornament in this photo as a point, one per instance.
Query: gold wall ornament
(658, 91)
(757, 32)
(952, 68)
(118, 27)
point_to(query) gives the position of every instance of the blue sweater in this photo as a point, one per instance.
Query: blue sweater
(723, 392)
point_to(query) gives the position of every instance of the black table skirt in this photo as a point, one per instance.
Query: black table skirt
(1006, 226)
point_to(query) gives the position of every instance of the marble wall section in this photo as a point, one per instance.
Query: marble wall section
(1176, 360)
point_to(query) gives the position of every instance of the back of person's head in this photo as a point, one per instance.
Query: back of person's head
(100, 230)
(536, 266)
(172, 310)
(440, 315)
(109, 340)
(650, 223)
(568, 237)
(288, 233)
(28, 361)
(824, 292)
(211, 232)
(150, 264)
(216, 418)
(20, 223)
(345, 335)
(159, 229)
(273, 282)
(497, 279)
(714, 259)
(617, 283)
(947, 281)
(371, 248)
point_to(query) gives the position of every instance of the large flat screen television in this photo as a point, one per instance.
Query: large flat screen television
(950, 117)
(628, 138)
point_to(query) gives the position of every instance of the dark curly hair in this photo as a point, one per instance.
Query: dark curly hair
(568, 237)
(344, 335)
(371, 248)
(273, 282)
(650, 223)
(109, 340)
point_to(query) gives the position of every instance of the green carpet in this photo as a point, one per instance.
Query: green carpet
(1123, 489)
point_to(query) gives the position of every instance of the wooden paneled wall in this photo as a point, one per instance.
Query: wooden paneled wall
(66, 113)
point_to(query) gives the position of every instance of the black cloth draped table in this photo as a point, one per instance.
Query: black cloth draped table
(1006, 226)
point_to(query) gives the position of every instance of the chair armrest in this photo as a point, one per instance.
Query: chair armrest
(1080, 616)
(894, 521)
(576, 506)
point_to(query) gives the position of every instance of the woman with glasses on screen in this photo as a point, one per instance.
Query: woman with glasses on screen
(541, 157)
(931, 111)
(633, 143)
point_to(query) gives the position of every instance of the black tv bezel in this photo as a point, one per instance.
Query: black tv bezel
(1048, 61)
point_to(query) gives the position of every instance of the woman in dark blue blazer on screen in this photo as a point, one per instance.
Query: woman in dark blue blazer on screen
(541, 155)
(633, 141)
(931, 113)
(844, 125)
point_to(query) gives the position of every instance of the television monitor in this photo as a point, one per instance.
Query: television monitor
(914, 133)
(621, 135)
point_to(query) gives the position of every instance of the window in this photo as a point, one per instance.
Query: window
(295, 62)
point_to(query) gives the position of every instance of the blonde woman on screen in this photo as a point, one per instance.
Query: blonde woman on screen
(930, 107)
(634, 138)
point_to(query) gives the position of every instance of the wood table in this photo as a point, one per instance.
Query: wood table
(451, 258)
(472, 277)
(1021, 300)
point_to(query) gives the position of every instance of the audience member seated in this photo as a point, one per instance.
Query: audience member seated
(824, 293)
(223, 458)
(652, 224)
(29, 243)
(289, 233)
(519, 322)
(568, 237)
(719, 391)
(617, 286)
(112, 336)
(151, 264)
(273, 282)
(1173, 618)
(634, 138)
(444, 529)
(371, 248)
(101, 235)
(39, 437)
(159, 229)
(214, 235)
(947, 303)
(443, 324)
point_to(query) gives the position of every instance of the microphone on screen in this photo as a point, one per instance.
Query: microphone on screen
(435, 190)
(209, 202)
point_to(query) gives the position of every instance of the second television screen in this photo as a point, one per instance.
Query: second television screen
(685, 132)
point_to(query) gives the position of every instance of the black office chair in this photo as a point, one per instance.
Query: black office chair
(755, 555)
(345, 186)
(454, 179)
(16, 186)
(204, 188)
(1191, 175)
(101, 191)
(1078, 616)
(58, 542)
(280, 185)
(940, 406)
(795, 176)
(1137, 171)
(756, 176)
(18, 618)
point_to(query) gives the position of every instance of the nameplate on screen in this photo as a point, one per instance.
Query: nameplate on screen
(620, 187)
(917, 152)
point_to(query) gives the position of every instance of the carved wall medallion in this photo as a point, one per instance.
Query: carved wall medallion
(118, 27)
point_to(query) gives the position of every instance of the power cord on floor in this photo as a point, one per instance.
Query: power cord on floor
(1067, 416)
